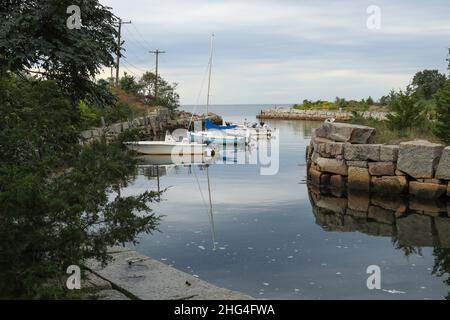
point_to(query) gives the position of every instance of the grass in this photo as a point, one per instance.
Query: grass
(349, 106)
(384, 134)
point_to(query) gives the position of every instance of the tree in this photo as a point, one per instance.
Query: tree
(370, 101)
(35, 38)
(129, 84)
(406, 110)
(442, 126)
(167, 96)
(59, 202)
(427, 82)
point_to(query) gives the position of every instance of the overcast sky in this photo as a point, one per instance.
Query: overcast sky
(284, 51)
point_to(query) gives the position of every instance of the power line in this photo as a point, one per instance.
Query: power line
(133, 66)
(135, 40)
(139, 33)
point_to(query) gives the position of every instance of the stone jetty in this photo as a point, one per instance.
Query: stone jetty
(315, 115)
(141, 277)
(344, 155)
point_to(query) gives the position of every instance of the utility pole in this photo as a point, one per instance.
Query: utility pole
(119, 45)
(156, 52)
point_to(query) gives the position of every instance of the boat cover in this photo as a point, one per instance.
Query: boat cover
(211, 126)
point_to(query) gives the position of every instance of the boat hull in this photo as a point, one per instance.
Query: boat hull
(218, 139)
(156, 148)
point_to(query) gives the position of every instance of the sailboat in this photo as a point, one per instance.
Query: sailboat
(214, 133)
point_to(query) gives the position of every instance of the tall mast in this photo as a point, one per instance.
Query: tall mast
(211, 216)
(209, 76)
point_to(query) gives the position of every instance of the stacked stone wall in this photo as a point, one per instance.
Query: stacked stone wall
(343, 156)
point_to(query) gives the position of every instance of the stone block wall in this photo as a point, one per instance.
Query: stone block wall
(343, 155)
(154, 123)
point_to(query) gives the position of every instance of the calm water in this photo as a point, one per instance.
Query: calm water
(272, 241)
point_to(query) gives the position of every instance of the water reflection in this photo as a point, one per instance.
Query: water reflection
(411, 224)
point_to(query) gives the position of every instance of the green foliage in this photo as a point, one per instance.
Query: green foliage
(386, 134)
(38, 38)
(406, 111)
(167, 96)
(339, 103)
(129, 84)
(60, 203)
(442, 126)
(427, 82)
(316, 105)
(90, 117)
(37, 122)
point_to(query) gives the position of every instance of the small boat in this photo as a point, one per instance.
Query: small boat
(242, 130)
(170, 147)
(217, 137)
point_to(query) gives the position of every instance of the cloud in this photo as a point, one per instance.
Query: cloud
(282, 51)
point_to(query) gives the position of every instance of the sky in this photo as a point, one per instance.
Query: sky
(285, 51)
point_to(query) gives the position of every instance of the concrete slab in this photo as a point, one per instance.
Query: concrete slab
(145, 278)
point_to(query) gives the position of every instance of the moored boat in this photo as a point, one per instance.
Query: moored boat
(169, 147)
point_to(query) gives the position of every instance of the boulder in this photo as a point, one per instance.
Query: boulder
(389, 184)
(362, 152)
(419, 158)
(443, 169)
(332, 166)
(359, 164)
(426, 190)
(382, 168)
(358, 179)
(344, 132)
(389, 153)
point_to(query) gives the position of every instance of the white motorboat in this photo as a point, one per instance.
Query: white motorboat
(170, 147)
